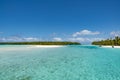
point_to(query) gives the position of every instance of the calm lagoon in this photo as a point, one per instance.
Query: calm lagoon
(21, 62)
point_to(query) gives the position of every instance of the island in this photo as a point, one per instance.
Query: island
(40, 43)
(108, 42)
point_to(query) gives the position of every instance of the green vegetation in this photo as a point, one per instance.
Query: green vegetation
(113, 42)
(39, 43)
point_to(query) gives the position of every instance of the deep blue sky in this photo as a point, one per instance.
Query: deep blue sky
(42, 18)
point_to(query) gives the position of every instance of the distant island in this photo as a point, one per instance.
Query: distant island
(40, 43)
(111, 42)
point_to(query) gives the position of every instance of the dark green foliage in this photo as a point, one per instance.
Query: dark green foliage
(115, 41)
(39, 43)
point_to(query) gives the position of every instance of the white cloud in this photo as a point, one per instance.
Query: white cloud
(2, 39)
(18, 39)
(76, 39)
(57, 39)
(115, 33)
(31, 39)
(81, 39)
(85, 32)
(9, 39)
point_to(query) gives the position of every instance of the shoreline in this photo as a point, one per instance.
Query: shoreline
(110, 46)
(46, 46)
(28, 47)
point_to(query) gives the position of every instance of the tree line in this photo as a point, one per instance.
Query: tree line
(39, 43)
(114, 42)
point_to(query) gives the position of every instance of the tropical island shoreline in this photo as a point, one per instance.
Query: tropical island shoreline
(110, 46)
(108, 43)
(40, 43)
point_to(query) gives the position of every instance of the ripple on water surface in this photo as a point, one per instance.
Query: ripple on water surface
(62, 63)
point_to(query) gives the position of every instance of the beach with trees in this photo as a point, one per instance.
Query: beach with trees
(112, 42)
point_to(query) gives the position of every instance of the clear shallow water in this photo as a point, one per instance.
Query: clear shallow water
(64, 63)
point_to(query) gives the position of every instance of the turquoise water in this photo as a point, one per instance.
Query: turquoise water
(63, 63)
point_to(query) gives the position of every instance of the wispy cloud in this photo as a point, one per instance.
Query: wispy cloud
(115, 33)
(81, 39)
(57, 39)
(85, 32)
(31, 39)
(84, 36)
(18, 39)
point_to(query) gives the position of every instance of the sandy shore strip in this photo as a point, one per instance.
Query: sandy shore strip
(110, 46)
(45, 46)
(28, 47)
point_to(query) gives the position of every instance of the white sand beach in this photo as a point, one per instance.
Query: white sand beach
(28, 47)
(45, 46)
(110, 46)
